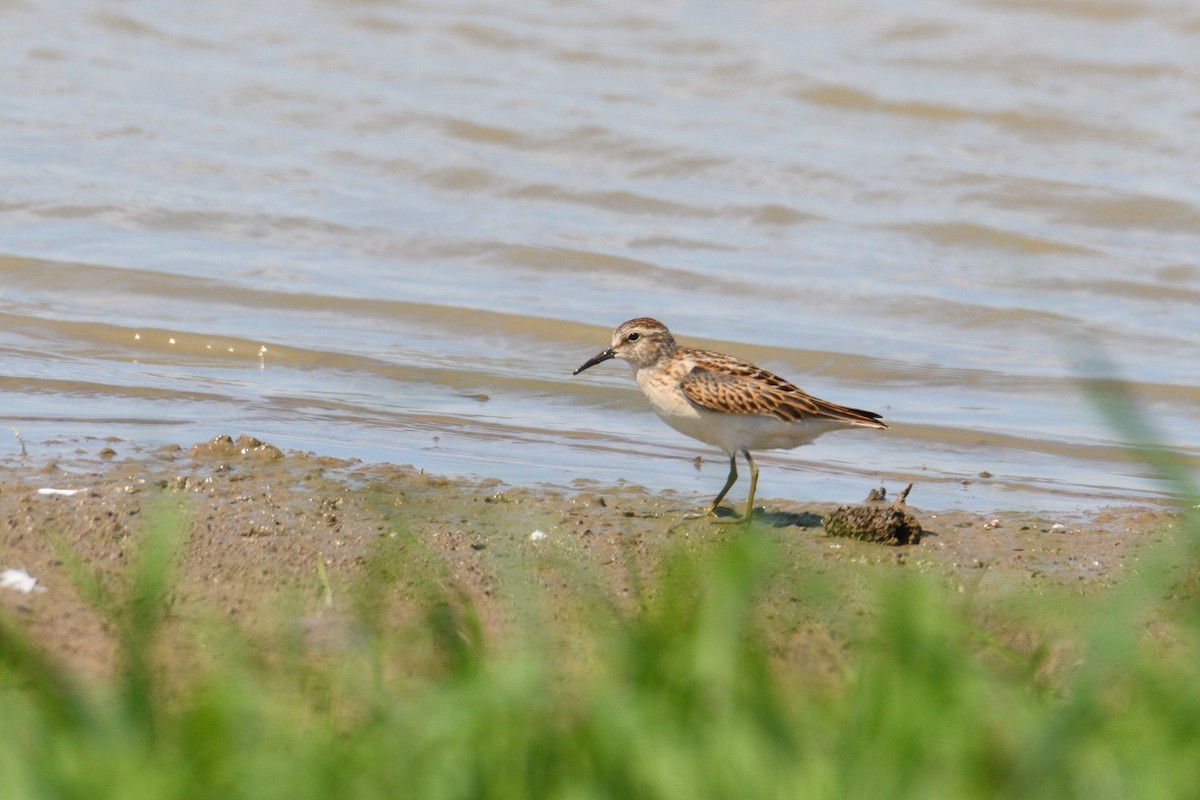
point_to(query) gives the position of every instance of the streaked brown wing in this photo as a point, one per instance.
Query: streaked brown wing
(739, 387)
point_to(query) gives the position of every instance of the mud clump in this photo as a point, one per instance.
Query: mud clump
(873, 521)
(224, 446)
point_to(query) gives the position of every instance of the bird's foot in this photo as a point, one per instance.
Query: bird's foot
(745, 519)
(717, 514)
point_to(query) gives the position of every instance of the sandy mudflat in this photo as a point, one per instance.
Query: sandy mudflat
(262, 519)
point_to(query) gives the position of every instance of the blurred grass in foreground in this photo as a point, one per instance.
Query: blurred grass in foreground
(688, 691)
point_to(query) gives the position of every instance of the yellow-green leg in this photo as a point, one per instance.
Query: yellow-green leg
(753, 483)
(732, 479)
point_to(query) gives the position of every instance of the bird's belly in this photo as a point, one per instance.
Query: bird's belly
(676, 411)
(735, 432)
(691, 422)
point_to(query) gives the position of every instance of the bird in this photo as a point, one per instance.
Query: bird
(723, 400)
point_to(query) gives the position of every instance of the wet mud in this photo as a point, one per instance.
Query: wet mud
(279, 534)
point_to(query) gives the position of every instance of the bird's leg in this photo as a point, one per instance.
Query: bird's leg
(753, 483)
(712, 507)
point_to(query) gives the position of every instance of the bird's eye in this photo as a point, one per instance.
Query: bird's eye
(633, 337)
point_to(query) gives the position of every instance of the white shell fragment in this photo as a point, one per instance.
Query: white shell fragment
(18, 580)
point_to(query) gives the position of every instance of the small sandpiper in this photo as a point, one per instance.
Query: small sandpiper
(722, 400)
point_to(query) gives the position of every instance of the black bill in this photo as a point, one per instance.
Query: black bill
(591, 362)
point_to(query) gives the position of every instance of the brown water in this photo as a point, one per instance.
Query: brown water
(392, 230)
